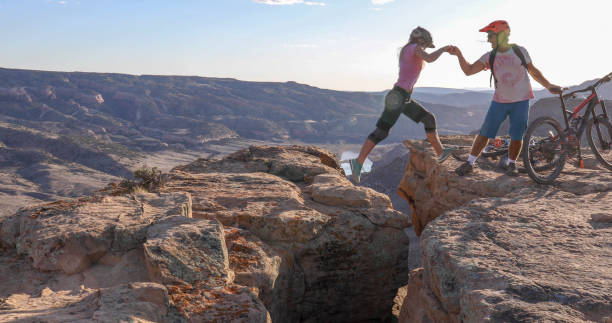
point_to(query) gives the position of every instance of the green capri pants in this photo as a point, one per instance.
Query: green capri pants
(397, 102)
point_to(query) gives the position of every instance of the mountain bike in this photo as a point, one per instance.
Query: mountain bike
(546, 145)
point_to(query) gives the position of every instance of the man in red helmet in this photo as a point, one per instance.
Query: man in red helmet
(509, 65)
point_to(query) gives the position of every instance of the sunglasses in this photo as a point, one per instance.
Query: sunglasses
(491, 34)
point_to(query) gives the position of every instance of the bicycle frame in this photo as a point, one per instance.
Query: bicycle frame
(592, 101)
(545, 157)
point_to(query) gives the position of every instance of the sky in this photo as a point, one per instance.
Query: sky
(349, 45)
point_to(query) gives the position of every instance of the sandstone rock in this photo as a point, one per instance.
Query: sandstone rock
(137, 302)
(432, 189)
(115, 269)
(502, 249)
(420, 304)
(269, 206)
(294, 163)
(253, 262)
(269, 233)
(507, 259)
(71, 235)
(322, 227)
(335, 190)
(229, 303)
(398, 301)
(50, 306)
(180, 249)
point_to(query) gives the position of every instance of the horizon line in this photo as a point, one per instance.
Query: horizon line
(474, 89)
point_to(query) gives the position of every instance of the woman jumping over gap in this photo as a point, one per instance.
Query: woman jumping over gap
(411, 61)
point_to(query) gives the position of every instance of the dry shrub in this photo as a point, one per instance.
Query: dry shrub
(145, 178)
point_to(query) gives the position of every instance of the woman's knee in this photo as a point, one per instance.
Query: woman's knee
(429, 122)
(378, 135)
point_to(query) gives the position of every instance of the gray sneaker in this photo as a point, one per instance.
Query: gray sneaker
(355, 169)
(464, 169)
(511, 170)
(445, 153)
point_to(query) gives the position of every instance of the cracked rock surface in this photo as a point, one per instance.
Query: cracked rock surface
(266, 234)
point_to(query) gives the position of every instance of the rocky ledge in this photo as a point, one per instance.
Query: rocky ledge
(502, 249)
(266, 234)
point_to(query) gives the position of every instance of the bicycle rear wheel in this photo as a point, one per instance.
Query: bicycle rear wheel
(544, 150)
(599, 136)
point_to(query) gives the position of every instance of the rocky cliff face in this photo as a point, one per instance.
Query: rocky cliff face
(279, 234)
(503, 249)
(266, 234)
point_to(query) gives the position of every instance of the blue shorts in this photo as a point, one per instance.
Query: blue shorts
(519, 114)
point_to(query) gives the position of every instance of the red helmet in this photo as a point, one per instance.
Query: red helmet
(496, 26)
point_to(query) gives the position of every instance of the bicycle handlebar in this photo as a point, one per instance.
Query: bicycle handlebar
(602, 80)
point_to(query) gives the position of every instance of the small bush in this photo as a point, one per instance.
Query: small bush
(151, 178)
(146, 178)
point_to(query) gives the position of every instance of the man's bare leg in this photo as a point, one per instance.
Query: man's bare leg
(479, 143)
(513, 152)
(477, 146)
(515, 149)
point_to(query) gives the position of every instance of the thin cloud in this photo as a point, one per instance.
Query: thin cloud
(301, 46)
(289, 2)
(279, 2)
(62, 2)
(381, 2)
(375, 9)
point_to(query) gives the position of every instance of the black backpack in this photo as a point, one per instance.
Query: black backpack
(518, 53)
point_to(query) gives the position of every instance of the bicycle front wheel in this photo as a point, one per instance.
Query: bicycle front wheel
(544, 150)
(599, 133)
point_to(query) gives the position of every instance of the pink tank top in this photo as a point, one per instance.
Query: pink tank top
(409, 68)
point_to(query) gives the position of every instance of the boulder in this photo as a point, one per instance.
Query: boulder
(135, 302)
(181, 249)
(71, 235)
(432, 188)
(112, 258)
(502, 249)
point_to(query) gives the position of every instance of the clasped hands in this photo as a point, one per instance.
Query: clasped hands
(453, 50)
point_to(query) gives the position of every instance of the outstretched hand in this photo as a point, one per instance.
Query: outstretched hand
(554, 89)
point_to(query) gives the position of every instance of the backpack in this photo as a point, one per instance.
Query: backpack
(516, 51)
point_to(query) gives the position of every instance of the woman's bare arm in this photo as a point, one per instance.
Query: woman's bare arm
(431, 57)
